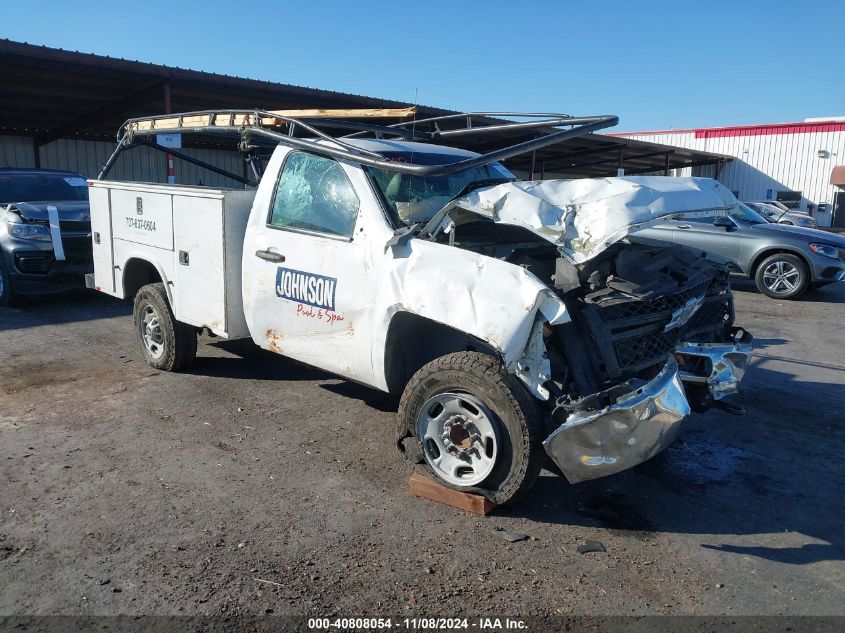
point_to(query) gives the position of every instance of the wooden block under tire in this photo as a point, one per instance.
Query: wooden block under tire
(427, 488)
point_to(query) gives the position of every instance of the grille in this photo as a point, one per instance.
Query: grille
(715, 314)
(641, 351)
(78, 251)
(74, 226)
(650, 307)
(33, 264)
(714, 311)
(630, 336)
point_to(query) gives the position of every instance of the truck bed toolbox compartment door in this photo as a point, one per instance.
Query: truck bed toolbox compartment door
(101, 236)
(142, 217)
(198, 296)
(208, 232)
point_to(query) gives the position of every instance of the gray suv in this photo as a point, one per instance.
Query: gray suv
(45, 232)
(782, 260)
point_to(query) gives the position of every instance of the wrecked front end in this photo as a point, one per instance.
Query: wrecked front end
(650, 334)
(641, 422)
(651, 338)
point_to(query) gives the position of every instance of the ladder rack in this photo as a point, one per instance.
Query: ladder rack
(309, 130)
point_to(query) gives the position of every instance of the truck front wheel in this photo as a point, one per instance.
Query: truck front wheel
(476, 428)
(166, 343)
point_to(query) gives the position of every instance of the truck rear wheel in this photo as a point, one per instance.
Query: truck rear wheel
(476, 428)
(166, 343)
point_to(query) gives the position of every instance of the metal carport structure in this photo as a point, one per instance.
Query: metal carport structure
(49, 94)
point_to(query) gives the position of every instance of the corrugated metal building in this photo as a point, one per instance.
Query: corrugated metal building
(791, 162)
(142, 163)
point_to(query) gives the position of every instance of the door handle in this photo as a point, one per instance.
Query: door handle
(270, 256)
(684, 226)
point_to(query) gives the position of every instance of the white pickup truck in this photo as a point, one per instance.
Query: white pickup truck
(517, 319)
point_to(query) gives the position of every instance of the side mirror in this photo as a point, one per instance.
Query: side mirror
(723, 221)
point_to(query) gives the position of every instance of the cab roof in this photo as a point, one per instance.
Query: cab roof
(389, 145)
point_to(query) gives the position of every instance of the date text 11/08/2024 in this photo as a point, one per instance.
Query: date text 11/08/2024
(419, 624)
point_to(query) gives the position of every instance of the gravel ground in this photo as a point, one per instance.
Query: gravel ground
(254, 485)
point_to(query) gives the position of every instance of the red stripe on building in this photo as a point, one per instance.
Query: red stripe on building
(749, 130)
(765, 130)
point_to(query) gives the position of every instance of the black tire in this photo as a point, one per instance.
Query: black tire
(764, 274)
(520, 453)
(178, 341)
(8, 298)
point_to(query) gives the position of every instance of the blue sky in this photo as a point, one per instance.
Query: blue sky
(655, 64)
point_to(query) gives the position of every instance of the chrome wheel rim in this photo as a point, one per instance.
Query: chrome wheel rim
(151, 332)
(781, 277)
(458, 437)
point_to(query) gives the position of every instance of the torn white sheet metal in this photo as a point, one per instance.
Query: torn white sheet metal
(534, 367)
(490, 299)
(585, 216)
(56, 233)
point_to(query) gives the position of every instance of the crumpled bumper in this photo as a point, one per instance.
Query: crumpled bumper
(720, 366)
(640, 424)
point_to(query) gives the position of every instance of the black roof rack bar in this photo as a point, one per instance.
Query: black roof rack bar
(257, 124)
(196, 161)
(487, 129)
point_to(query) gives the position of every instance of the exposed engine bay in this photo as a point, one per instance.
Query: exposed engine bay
(646, 334)
(630, 307)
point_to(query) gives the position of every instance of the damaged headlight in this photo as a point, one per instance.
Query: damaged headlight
(40, 232)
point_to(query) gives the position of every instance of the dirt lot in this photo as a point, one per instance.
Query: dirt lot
(130, 491)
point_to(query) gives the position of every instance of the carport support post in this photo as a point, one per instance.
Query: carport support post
(666, 163)
(620, 171)
(171, 169)
(718, 169)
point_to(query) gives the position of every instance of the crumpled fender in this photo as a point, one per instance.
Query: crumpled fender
(492, 300)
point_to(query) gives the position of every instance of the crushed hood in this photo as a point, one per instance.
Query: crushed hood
(584, 217)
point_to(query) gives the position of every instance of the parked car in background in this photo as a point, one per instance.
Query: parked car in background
(774, 211)
(784, 261)
(45, 232)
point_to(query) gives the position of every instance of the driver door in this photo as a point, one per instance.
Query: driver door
(306, 273)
